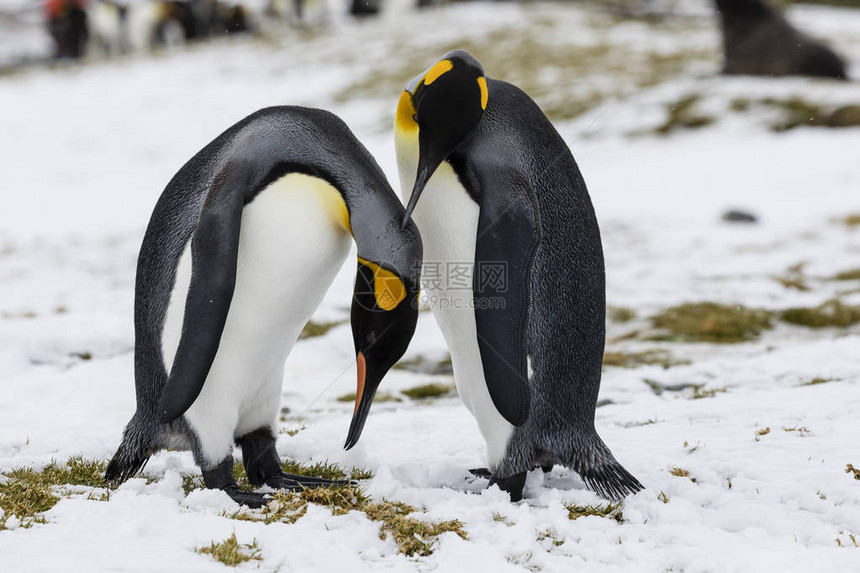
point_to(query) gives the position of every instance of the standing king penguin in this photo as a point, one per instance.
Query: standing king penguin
(242, 246)
(499, 188)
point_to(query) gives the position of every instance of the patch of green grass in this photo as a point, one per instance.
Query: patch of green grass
(413, 536)
(740, 104)
(850, 275)
(26, 501)
(314, 329)
(851, 221)
(845, 116)
(432, 390)
(291, 432)
(637, 359)
(682, 114)
(830, 313)
(711, 322)
(325, 470)
(648, 422)
(816, 381)
(793, 282)
(680, 472)
(551, 536)
(850, 469)
(620, 313)
(700, 392)
(797, 112)
(610, 510)
(378, 398)
(658, 388)
(423, 365)
(26, 493)
(230, 552)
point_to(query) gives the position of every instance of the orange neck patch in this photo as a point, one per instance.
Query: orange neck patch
(388, 289)
(405, 119)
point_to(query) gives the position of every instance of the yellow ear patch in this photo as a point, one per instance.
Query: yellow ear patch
(485, 95)
(405, 119)
(388, 289)
(437, 70)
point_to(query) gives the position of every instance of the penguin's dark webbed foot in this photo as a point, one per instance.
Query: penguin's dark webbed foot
(249, 498)
(221, 477)
(294, 482)
(513, 485)
(481, 473)
(264, 467)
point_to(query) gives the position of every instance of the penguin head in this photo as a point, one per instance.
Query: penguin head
(384, 315)
(443, 105)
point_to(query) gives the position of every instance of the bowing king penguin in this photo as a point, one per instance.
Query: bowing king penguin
(241, 247)
(494, 186)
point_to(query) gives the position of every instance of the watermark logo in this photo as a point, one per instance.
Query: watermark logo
(485, 276)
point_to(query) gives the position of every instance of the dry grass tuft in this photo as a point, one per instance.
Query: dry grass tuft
(413, 536)
(232, 553)
(610, 510)
(26, 493)
(682, 114)
(423, 365)
(314, 329)
(644, 358)
(849, 275)
(830, 313)
(711, 322)
(432, 390)
(680, 472)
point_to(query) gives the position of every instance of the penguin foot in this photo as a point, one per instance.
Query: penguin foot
(221, 477)
(249, 498)
(513, 485)
(264, 467)
(292, 482)
(481, 473)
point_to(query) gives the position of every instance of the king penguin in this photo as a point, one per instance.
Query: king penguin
(241, 247)
(501, 195)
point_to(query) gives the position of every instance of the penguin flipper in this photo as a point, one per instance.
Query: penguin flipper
(508, 236)
(214, 252)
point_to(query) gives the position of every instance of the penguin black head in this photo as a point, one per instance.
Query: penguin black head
(384, 315)
(443, 105)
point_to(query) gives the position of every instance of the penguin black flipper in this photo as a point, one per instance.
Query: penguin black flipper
(214, 252)
(508, 236)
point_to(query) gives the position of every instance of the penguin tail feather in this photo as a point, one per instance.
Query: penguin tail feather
(133, 452)
(602, 473)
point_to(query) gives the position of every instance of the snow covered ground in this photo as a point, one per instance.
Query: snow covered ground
(88, 149)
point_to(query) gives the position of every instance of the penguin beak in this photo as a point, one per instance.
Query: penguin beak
(417, 189)
(363, 399)
(429, 160)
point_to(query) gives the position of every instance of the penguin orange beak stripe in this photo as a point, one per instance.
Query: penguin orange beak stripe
(363, 399)
(361, 365)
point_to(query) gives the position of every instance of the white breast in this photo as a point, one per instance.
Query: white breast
(448, 221)
(291, 244)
